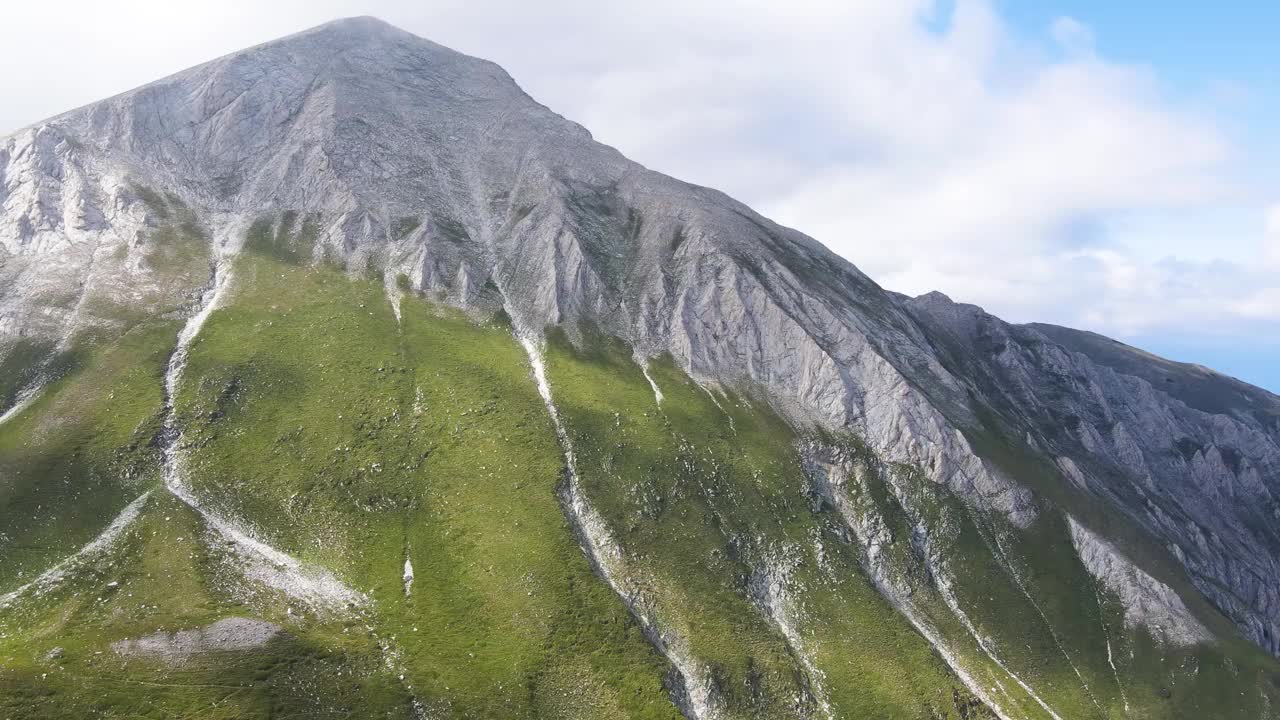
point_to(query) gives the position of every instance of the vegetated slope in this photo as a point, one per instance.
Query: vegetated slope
(346, 334)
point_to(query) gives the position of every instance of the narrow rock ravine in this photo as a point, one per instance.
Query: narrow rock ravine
(258, 561)
(657, 392)
(1106, 633)
(1002, 557)
(26, 397)
(694, 695)
(984, 643)
(100, 544)
(716, 401)
(942, 578)
(770, 590)
(868, 534)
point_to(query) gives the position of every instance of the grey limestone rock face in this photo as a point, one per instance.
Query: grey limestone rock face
(419, 161)
(1146, 601)
(1191, 456)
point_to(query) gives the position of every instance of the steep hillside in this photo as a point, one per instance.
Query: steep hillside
(340, 378)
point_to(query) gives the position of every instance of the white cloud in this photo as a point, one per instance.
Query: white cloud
(1263, 304)
(1271, 237)
(1073, 36)
(936, 150)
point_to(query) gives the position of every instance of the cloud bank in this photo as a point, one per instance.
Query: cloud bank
(936, 149)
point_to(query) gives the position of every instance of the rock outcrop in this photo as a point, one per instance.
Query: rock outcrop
(175, 648)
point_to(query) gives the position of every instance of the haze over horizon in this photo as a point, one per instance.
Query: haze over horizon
(1050, 161)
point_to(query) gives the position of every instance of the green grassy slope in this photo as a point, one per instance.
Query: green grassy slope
(1026, 593)
(56, 659)
(21, 364)
(703, 505)
(356, 441)
(305, 400)
(84, 449)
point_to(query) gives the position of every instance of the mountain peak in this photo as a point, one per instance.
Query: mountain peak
(355, 30)
(355, 102)
(358, 23)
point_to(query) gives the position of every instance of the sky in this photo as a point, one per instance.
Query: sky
(1111, 166)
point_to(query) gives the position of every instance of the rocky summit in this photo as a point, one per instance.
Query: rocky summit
(340, 378)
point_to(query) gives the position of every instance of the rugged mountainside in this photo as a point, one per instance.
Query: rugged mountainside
(477, 418)
(1190, 455)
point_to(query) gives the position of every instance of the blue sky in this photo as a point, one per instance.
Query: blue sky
(1223, 51)
(1109, 165)
(1196, 47)
(1226, 51)
(1188, 41)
